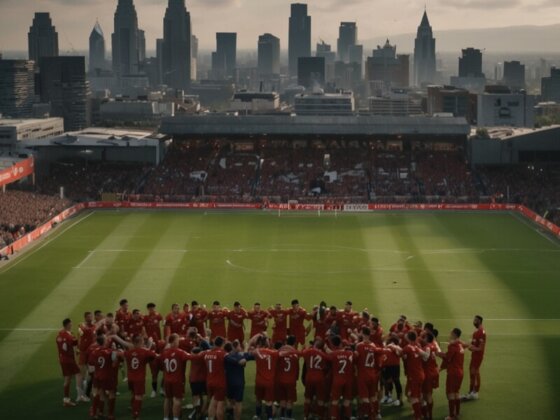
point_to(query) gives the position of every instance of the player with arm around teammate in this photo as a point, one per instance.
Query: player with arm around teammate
(453, 361)
(66, 343)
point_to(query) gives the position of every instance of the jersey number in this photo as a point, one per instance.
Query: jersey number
(370, 360)
(135, 363)
(288, 366)
(315, 362)
(101, 362)
(342, 364)
(170, 365)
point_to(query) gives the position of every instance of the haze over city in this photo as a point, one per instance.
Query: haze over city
(376, 19)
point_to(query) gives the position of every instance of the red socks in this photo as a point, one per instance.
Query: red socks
(335, 410)
(429, 410)
(457, 406)
(67, 391)
(136, 408)
(374, 409)
(348, 412)
(306, 409)
(364, 409)
(417, 411)
(112, 407)
(451, 404)
(477, 387)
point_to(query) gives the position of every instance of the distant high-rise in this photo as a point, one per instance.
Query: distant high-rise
(299, 36)
(347, 37)
(141, 46)
(311, 72)
(224, 59)
(177, 45)
(194, 57)
(424, 54)
(514, 74)
(96, 49)
(17, 88)
(268, 55)
(470, 64)
(42, 38)
(550, 86)
(389, 67)
(125, 44)
(325, 50)
(62, 83)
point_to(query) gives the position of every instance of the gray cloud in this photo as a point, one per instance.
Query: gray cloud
(480, 4)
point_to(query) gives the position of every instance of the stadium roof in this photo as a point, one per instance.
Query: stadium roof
(291, 125)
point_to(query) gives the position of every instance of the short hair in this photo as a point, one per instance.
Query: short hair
(87, 314)
(219, 341)
(291, 340)
(97, 312)
(137, 339)
(66, 322)
(411, 335)
(457, 332)
(135, 311)
(109, 315)
(236, 304)
(349, 302)
(174, 305)
(257, 303)
(430, 337)
(122, 302)
(194, 303)
(402, 318)
(435, 333)
(100, 339)
(366, 331)
(295, 302)
(228, 347)
(278, 345)
(333, 308)
(374, 319)
(150, 305)
(429, 326)
(173, 338)
(336, 341)
(479, 318)
(216, 303)
(196, 350)
(365, 315)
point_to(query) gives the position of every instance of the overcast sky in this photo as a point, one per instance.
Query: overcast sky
(74, 19)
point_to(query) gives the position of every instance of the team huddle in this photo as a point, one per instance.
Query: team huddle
(351, 366)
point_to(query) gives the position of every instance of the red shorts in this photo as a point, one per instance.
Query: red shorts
(83, 358)
(343, 389)
(476, 362)
(174, 390)
(430, 383)
(414, 387)
(235, 334)
(109, 385)
(264, 392)
(286, 392)
(216, 392)
(316, 388)
(137, 387)
(368, 387)
(453, 383)
(300, 337)
(279, 336)
(69, 368)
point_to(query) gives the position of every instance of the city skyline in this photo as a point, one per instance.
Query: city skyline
(74, 19)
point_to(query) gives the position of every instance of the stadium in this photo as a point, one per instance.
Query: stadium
(416, 217)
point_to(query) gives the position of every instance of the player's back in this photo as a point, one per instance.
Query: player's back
(215, 369)
(315, 364)
(342, 362)
(288, 367)
(266, 361)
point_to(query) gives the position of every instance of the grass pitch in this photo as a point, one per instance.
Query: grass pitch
(438, 267)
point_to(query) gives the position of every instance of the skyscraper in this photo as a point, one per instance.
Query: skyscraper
(141, 46)
(96, 49)
(177, 45)
(387, 66)
(62, 83)
(125, 40)
(311, 72)
(268, 55)
(424, 53)
(514, 74)
(42, 38)
(224, 59)
(347, 37)
(299, 36)
(470, 64)
(17, 88)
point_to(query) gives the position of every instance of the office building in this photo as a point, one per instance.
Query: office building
(15, 130)
(550, 86)
(177, 46)
(319, 103)
(17, 88)
(125, 51)
(347, 37)
(514, 75)
(324, 50)
(224, 59)
(141, 46)
(424, 53)
(42, 38)
(96, 50)
(470, 64)
(499, 106)
(311, 72)
(268, 56)
(299, 36)
(389, 67)
(452, 100)
(397, 103)
(62, 83)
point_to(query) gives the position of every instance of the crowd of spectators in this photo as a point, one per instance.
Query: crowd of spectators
(21, 212)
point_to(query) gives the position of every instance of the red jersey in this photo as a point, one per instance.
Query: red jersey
(87, 336)
(136, 361)
(392, 359)
(342, 362)
(105, 363)
(198, 318)
(266, 361)
(288, 367)
(297, 317)
(414, 363)
(320, 324)
(198, 368)
(430, 365)
(121, 319)
(176, 324)
(215, 367)
(173, 362)
(345, 321)
(280, 327)
(367, 356)
(479, 340)
(455, 358)
(236, 320)
(377, 335)
(258, 321)
(315, 364)
(217, 320)
(65, 343)
(186, 344)
(135, 327)
(152, 324)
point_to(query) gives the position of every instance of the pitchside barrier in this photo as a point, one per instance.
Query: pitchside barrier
(33, 236)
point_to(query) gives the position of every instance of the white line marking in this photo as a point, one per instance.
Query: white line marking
(87, 257)
(33, 251)
(534, 227)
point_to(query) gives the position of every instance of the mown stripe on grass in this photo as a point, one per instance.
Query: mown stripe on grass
(57, 305)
